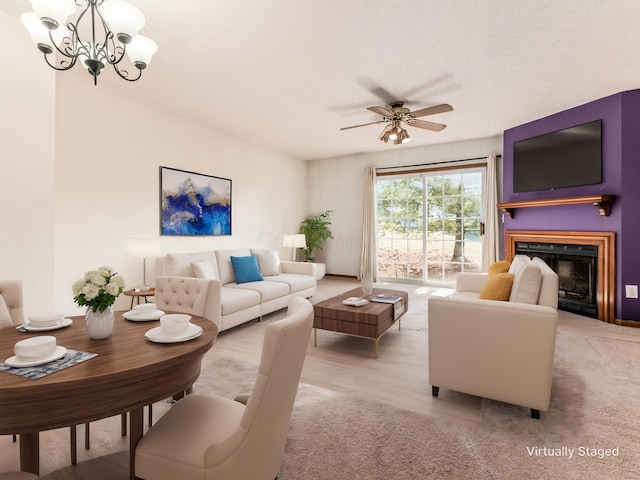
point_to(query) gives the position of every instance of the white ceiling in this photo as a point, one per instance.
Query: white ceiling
(287, 74)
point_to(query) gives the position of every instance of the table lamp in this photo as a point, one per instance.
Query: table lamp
(294, 241)
(143, 247)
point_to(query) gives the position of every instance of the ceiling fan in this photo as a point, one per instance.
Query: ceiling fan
(395, 114)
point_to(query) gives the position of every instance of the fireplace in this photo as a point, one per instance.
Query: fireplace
(584, 262)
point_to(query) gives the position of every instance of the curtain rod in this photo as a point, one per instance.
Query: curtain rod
(436, 163)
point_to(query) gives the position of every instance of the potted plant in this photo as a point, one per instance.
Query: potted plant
(316, 230)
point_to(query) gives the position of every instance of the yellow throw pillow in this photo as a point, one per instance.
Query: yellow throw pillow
(499, 267)
(498, 287)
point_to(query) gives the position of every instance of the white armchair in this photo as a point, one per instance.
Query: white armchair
(501, 350)
(11, 309)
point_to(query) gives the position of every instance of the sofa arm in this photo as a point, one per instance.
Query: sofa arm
(470, 281)
(498, 350)
(301, 268)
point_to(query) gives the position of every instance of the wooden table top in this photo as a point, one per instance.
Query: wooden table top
(371, 308)
(128, 373)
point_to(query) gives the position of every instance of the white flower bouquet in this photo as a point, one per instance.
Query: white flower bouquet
(98, 289)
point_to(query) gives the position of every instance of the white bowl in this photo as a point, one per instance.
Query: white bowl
(45, 319)
(174, 324)
(145, 308)
(35, 347)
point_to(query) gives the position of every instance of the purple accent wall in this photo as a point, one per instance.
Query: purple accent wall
(620, 114)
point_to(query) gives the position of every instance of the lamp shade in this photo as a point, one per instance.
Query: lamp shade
(58, 10)
(40, 34)
(123, 19)
(297, 240)
(140, 51)
(143, 247)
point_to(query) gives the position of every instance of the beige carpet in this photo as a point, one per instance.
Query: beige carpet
(593, 408)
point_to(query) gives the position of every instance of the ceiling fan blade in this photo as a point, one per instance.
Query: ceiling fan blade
(445, 107)
(380, 111)
(362, 125)
(434, 127)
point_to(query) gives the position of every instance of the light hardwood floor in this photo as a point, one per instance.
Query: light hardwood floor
(342, 363)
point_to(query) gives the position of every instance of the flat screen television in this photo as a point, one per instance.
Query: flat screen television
(565, 158)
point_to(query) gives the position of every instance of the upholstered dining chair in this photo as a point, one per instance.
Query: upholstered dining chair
(210, 437)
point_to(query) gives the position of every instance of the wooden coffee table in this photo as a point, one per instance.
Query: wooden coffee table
(369, 321)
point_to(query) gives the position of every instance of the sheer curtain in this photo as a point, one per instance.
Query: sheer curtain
(369, 255)
(491, 244)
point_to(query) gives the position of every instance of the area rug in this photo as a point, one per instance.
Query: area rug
(592, 430)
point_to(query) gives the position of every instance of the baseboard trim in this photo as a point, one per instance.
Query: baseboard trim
(627, 323)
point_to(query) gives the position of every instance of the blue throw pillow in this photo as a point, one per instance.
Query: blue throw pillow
(246, 269)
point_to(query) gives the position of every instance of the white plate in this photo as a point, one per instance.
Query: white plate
(59, 352)
(64, 323)
(158, 336)
(143, 317)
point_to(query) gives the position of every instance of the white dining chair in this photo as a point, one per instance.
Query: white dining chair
(204, 436)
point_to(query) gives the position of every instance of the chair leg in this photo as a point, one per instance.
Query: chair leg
(15, 438)
(150, 413)
(435, 391)
(535, 413)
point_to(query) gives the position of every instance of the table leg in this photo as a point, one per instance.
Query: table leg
(136, 420)
(30, 452)
(377, 349)
(315, 337)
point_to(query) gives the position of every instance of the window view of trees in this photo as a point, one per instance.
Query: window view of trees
(429, 225)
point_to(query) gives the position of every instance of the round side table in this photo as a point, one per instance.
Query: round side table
(142, 293)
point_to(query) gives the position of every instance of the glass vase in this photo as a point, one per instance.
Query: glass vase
(99, 324)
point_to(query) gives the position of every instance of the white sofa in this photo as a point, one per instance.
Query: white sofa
(501, 350)
(204, 284)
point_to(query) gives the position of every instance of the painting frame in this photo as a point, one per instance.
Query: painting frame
(194, 204)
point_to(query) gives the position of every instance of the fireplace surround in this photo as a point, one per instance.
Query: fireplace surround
(595, 294)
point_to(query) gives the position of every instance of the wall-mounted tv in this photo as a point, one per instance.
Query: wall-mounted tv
(565, 158)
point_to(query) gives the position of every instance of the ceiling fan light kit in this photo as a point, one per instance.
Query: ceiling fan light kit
(395, 114)
(113, 22)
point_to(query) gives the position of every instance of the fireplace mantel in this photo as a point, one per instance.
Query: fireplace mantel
(601, 202)
(605, 241)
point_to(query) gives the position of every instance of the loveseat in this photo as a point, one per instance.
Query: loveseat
(230, 287)
(497, 349)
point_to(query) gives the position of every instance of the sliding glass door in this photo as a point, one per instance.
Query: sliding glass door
(429, 224)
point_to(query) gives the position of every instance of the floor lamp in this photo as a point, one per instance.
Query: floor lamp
(143, 247)
(294, 241)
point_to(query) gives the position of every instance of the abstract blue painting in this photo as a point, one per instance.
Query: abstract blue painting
(193, 203)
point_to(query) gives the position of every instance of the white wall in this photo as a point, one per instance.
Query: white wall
(26, 167)
(108, 152)
(338, 184)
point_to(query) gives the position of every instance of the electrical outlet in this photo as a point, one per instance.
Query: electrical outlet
(631, 291)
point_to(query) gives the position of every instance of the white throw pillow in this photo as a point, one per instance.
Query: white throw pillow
(526, 284)
(5, 316)
(268, 261)
(204, 269)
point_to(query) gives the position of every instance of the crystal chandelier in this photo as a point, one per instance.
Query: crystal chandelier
(112, 22)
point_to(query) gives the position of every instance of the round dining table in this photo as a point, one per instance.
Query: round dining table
(128, 372)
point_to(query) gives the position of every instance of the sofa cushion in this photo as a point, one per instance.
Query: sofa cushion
(179, 264)
(526, 284)
(295, 281)
(245, 269)
(548, 285)
(225, 269)
(205, 269)
(499, 267)
(268, 261)
(498, 287)
(517, 261)
(236, 299)
(266, 290)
